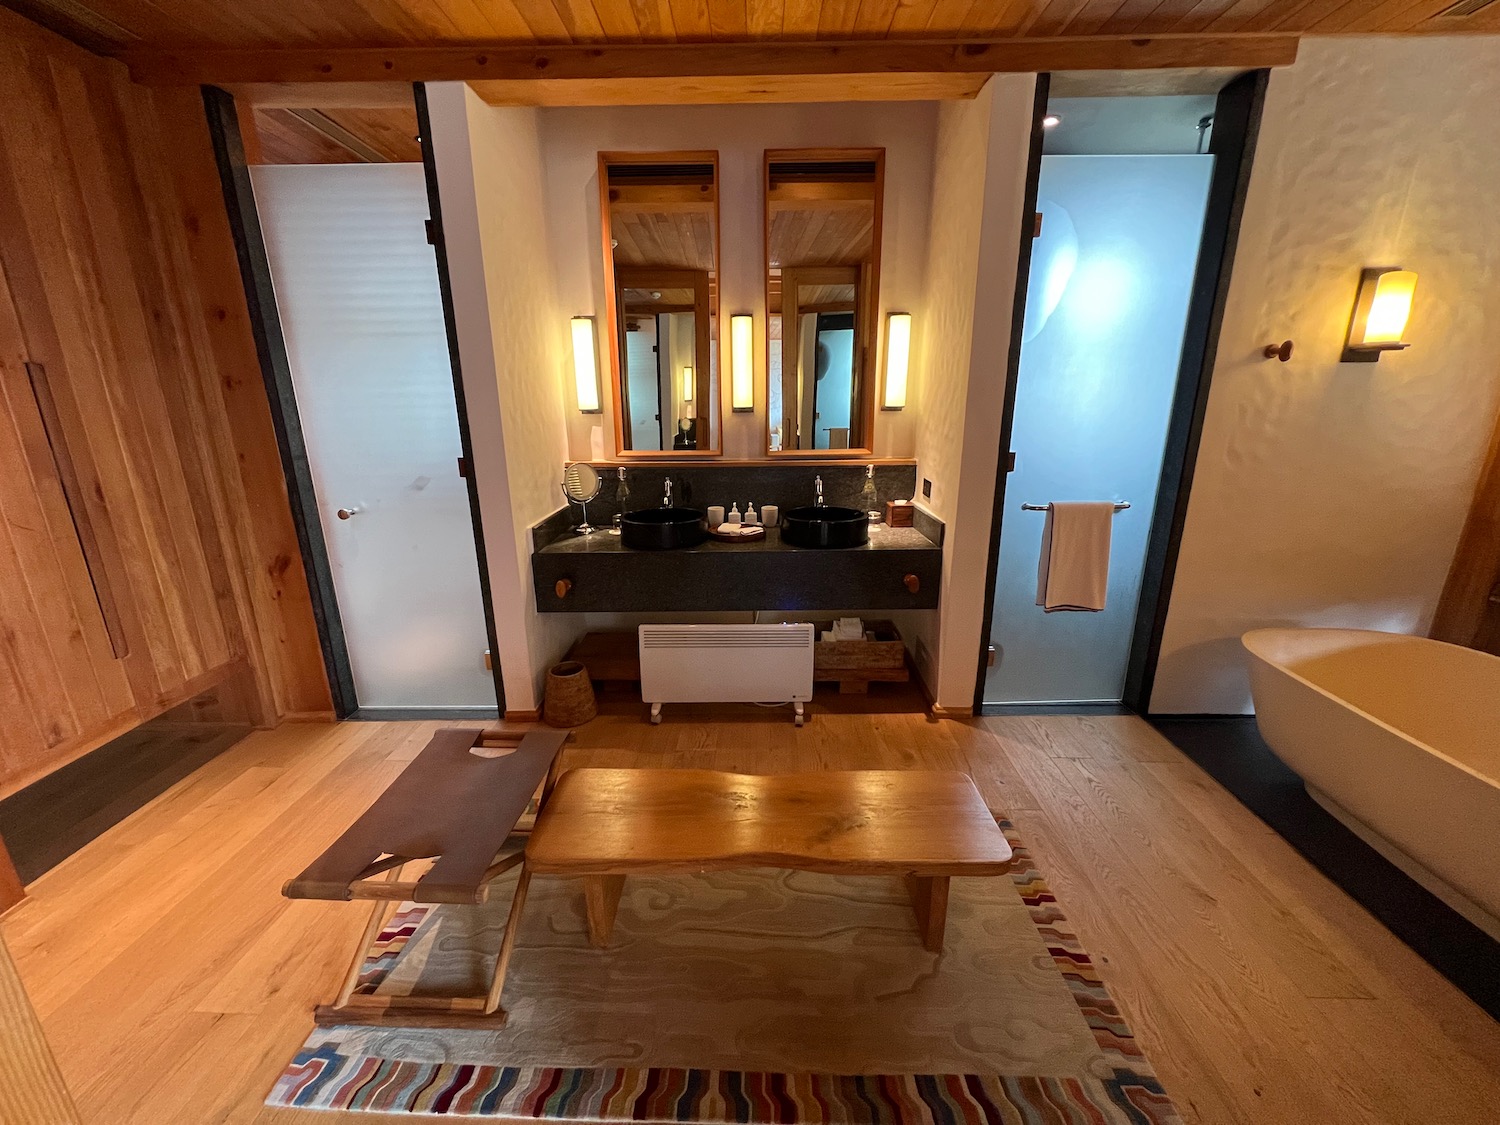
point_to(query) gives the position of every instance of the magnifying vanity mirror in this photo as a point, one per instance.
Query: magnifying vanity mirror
(822, 228)
(661, 247)
(581, 485)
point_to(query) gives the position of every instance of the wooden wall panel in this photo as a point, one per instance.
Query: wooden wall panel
(1469, 610)
(11, 891)
(118, 277)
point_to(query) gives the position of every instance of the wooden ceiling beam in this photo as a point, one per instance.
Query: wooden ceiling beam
(695, 60)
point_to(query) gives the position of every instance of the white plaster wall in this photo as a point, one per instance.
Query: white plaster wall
(515, 351)
(572, 139)
(979, 183)
(1327, 493)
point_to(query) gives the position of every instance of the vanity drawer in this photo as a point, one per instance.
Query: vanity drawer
(735, 579)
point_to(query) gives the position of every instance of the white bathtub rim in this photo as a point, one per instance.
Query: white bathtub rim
(1247, 638)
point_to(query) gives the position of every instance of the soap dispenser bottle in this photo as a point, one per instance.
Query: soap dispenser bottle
(622, 498)
(869, 498)
(750, 516)
(734, 515)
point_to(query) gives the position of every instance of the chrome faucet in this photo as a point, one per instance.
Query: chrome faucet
(818, 484)
(666, 501)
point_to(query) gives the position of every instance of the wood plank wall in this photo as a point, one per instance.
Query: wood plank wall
(1469, 610)
(140, 485)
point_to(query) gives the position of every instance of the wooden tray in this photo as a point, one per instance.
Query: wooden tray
(750, 534)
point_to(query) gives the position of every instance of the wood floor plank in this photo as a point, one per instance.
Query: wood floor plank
(175, 982)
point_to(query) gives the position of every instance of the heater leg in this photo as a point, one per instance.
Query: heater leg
(655, 713)
(800, 716)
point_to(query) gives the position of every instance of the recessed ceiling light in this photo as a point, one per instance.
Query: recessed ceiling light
(1051, 121)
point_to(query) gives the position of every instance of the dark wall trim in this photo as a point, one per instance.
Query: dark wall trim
(1236, 130)
(270, 348)
(450, 325)
(1012, 376)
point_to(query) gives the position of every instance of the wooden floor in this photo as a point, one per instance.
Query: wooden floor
(174, 982)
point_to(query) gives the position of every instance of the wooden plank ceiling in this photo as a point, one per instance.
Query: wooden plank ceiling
(115, 26)
(331, 136)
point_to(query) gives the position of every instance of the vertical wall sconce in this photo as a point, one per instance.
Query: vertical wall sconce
(585, 365)
(741, 363)
(687, 384)
(1380, 313)
(897, 360)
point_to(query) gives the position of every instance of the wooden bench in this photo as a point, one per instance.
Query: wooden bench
(925, 826)
(457, 803)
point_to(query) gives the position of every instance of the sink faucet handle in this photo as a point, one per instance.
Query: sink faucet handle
(666, 501)
(818, 483)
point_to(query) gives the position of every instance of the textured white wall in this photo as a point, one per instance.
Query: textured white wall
(1328, 493)
(979, 182)
(515, 350)
(572, 139)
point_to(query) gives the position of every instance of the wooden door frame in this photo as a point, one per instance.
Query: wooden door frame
(791, 345)
(1237, 116)
(270, 345)
(651, 277)
(276, 372)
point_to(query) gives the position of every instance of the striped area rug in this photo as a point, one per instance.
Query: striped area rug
(327, 1075)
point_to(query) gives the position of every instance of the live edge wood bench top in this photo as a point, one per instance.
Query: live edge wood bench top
(911, 822)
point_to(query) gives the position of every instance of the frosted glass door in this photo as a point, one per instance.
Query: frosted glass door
(357, 291)
(1106, 310)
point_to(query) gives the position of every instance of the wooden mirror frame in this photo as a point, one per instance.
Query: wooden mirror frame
(867, 294)
(707, 394)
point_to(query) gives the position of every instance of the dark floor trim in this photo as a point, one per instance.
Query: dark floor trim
(54, 817)
(1230, 749)
(993, 709)
(420, 714)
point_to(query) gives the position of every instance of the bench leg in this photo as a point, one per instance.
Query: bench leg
(382, 909)
(508, 942)
(929, 897)
(601, 898)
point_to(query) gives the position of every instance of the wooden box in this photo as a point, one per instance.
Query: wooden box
(900, 515)
(880, 657)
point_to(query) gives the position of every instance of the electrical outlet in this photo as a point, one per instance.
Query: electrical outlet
(926, 489)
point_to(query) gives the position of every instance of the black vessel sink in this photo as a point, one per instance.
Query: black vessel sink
(827, 526)
(661, 529)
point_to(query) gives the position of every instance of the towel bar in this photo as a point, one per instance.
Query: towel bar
(1120, 506)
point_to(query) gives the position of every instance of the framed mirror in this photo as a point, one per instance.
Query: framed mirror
(661, 251)
(822, 228)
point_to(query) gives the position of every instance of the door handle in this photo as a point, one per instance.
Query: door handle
(346, 513)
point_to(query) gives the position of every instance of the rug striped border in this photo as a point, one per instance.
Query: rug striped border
(320, 1077)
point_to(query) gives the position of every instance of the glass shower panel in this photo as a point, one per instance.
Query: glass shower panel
(357, 291)
(1106, 310)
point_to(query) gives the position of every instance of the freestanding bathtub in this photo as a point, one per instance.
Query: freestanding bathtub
(1398, 737)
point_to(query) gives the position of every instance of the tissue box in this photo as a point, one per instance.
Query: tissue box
(900, 513)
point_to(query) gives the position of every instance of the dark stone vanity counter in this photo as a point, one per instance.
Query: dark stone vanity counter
(597, 573)
(882, 538)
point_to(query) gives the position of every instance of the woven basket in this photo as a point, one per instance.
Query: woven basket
(569, 698)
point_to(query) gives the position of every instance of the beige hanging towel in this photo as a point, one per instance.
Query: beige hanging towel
(1074, 570)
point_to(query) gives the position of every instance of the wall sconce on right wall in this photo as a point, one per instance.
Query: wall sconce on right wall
(1380, 313)
(897, 360)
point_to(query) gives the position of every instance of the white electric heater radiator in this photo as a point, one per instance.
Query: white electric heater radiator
(726, 664)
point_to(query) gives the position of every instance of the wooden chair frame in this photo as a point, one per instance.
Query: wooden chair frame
(382, 881)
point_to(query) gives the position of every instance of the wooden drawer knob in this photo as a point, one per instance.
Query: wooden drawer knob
(912, 583)
(563, 587)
